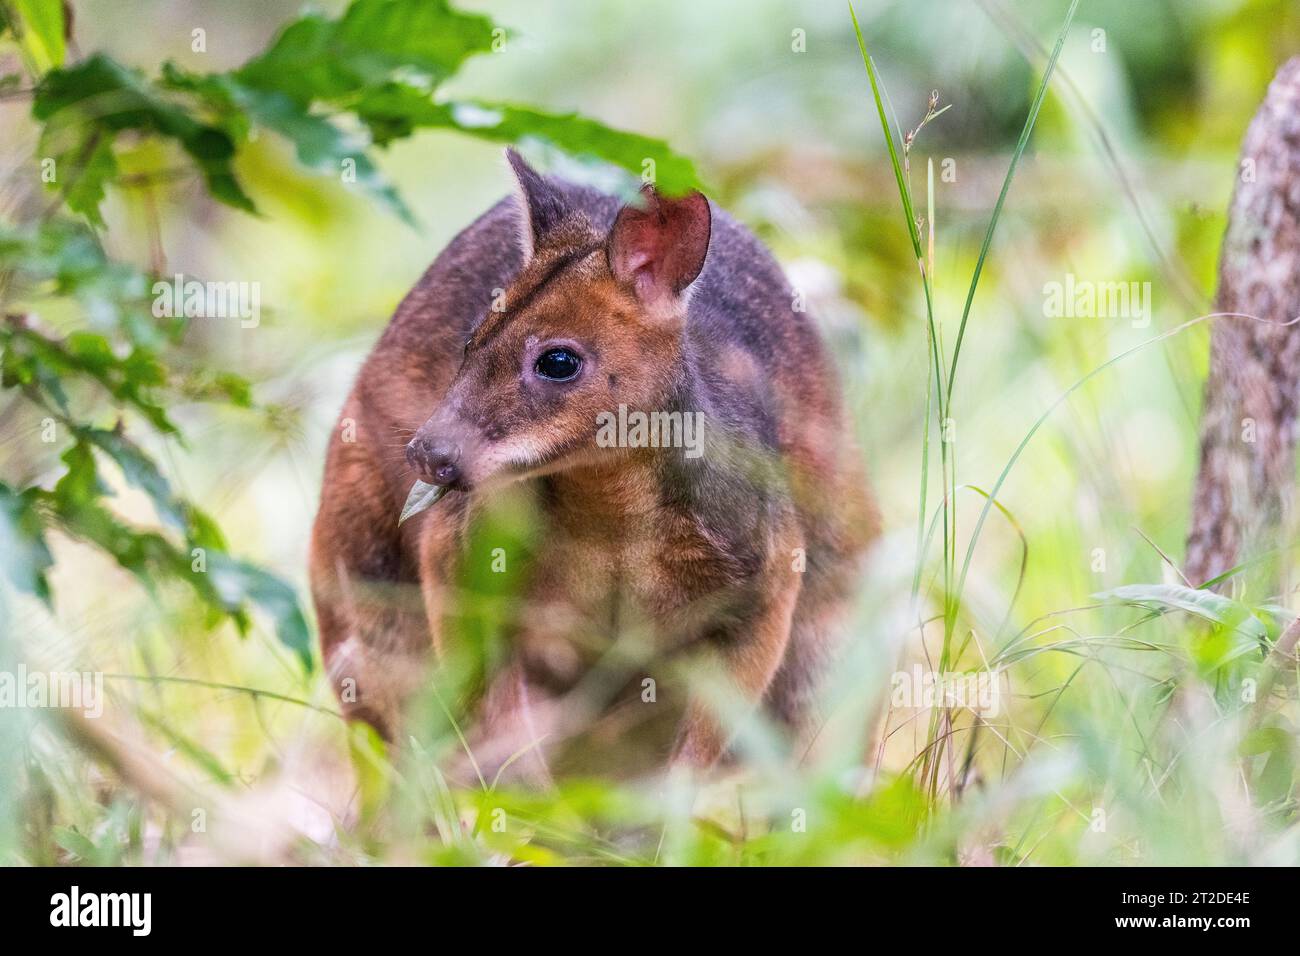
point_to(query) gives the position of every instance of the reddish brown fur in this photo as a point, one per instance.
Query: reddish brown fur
(699, 557)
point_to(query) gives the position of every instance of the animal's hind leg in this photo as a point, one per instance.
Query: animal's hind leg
(816, 636)
(751, 655)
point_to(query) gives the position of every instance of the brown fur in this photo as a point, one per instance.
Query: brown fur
(697, 556)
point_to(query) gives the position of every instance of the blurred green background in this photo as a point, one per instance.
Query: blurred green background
(1107, 752)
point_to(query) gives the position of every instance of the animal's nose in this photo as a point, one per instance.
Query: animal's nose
(434, 461)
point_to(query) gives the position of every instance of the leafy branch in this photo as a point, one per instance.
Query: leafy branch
(336, 89)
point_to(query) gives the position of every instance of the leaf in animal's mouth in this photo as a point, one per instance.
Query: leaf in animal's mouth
(422, 497)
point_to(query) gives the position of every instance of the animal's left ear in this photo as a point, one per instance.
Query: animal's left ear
(541, 204)
(659, 247)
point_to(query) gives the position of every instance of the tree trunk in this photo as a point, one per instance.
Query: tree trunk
(1242, 506)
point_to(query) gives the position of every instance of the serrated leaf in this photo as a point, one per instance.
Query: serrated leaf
(395, 110)
(61, 256)
(213, 91)
(423, 496)
(85, 193)
(80, 484)
(103, 95)
(146, 554)
(141, 472)
(640, 155)
(320, 145)
(320, 59)
(32, 357)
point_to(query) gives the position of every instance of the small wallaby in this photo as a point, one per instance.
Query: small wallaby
(645, 372)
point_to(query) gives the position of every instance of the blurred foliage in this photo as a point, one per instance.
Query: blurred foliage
(381, 62)
(1143, 721)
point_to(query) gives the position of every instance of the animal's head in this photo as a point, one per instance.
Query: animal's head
(593, 320)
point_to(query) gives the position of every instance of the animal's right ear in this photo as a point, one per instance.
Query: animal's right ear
(541, 204)
(658, 245)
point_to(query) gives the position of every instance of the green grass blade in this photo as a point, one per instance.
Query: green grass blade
(934, 376)
(921, 539)
(894, 161)
(1030, 120)
(1038, 423)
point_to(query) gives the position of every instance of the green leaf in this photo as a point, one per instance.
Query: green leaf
(140, 472)
(102, 94)
(71, 840)
(24, 554)
(1204, 604)
(63, 257)
(80, 484)
(1274, 780)
(147, 555)
(33, 358)
(395, 110)
(238, 582)
(299, 64)
(423, 496)
(214, 91)
(384, 60)
(1262, 740)
(639, 155)
(320, 145)
(370, 764)
(42, 31)
(86, 191)
(320, 59)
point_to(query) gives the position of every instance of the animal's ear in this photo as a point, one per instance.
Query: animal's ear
(658, 247)
(541, 204)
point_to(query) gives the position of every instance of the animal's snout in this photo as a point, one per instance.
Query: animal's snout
(435, 461)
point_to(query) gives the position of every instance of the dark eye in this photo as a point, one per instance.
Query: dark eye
(559, 365)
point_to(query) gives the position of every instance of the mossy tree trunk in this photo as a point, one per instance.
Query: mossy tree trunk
(1244, 487)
